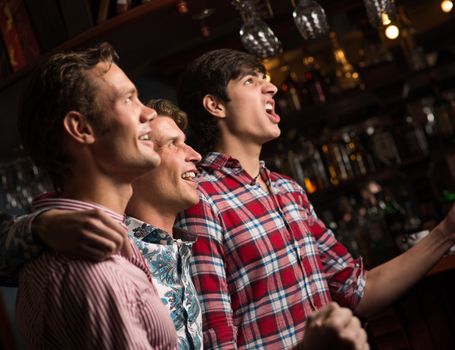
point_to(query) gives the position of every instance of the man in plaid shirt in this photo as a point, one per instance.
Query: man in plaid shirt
(263, 260)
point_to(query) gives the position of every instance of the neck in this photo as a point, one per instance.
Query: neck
(101, 190)
(248, 154)
(157, 216)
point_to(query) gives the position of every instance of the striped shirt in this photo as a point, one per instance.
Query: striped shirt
(263, 262)
(65, 303)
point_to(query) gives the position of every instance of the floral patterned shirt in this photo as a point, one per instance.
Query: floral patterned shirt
(168, 260)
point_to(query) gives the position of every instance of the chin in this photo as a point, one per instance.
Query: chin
(154, 162)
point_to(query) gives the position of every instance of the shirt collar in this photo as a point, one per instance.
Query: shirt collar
(152, 234)
(218, 161)
(52, 201)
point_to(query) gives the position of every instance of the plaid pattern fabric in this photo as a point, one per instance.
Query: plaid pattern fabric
(262, 262)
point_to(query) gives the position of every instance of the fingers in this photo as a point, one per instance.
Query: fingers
(353, 335)
(339, 319)
(334, 327)
(320, 316)
(103, 233)
(91, 234)
(126, 249)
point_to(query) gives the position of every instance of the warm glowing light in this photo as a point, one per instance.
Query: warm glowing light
(385, 19)
(392, 32)
(446, 6)
(182, 7)
(310, 185)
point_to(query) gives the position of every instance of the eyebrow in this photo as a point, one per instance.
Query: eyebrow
(244, 73)
(127, 91)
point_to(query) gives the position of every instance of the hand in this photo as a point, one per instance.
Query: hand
(333, 327)
(88, 234)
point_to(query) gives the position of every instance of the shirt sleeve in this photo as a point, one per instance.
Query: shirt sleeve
(209, 274)
(344, 274)
(17, 246)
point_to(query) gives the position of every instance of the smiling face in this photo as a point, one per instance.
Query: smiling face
(170, 186)
(250, 113)
(123, 140)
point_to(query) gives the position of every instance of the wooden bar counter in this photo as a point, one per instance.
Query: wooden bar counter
(423, 318)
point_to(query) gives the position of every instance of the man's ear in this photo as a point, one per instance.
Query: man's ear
(214, 106)
(78, 128)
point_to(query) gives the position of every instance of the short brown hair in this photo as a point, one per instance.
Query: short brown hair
(167, 108)
(58, 86)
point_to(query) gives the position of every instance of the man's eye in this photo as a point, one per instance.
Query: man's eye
(129, 99)
(249, 81)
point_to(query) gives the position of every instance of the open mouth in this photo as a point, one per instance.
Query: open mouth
(189, 175)
(270, 110)
(145, 137)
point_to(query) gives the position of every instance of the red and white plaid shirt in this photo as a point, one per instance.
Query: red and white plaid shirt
(262, 262)
(65, 303)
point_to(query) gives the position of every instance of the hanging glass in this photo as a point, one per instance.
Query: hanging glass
(256, 36)
(310, 19)
(259, 39)
(380, 12)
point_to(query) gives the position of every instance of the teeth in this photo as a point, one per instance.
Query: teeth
(189, 175)
(268, 107)
(145, 137)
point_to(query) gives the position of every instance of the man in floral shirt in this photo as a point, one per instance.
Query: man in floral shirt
(158, 197)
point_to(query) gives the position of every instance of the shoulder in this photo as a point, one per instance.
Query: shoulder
(286, 182)
(79, 275)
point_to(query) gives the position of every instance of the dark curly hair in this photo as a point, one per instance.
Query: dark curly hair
(58, 86)
(210, 74)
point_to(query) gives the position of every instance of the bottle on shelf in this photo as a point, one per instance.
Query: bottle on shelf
(410, 138)
(361, 161)
(292, 95)
(414, 54)
(347, 77)
(444, 116)
(337, 163)
(383, 146)
(344, 223)
(372, 223)
(314, 173)
(315, 80)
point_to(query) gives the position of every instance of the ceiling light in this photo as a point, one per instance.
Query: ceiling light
(392, 32)
(446, 6)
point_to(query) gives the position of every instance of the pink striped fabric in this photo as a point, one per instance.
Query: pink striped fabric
(66, 303)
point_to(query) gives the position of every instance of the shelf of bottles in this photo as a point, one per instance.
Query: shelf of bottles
(375, 155)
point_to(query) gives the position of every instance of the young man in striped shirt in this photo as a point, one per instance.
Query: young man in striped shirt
(82, 121)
